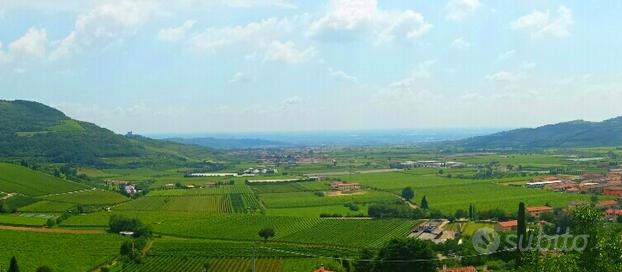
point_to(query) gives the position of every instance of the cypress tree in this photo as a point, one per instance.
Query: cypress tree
(521, 232)
(424, 203)
(13, 267)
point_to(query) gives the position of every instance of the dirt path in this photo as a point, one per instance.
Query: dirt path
(48, 230)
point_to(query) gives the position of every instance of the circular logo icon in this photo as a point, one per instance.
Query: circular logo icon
(486, 240)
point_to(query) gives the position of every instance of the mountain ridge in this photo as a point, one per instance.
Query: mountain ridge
(33, 130)
(575, 133)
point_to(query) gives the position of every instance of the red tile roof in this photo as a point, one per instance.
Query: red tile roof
(605, 203)
(508, 224)
(459, 269)
(616, 212)
(539, 209)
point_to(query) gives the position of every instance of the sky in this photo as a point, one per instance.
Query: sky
(192, 66)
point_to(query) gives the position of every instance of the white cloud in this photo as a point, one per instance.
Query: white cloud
(423, 69)
(527, 65)
(341, 75)
(175, 34)
(460, 43)
(291, 103)
(506, 55)
(259, 3)
(542, 24)
(503, 76)
(257, 34)
(32, 45)
(355, 19)
(457, 10)
(240, 77)
(287, 52)
(105, 24)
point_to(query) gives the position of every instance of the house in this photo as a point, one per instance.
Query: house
(126, 233)
(613, 191)
(129, 189)
(168, 186)
(322, 269)
(458, 269)
(613, 213)
(189, 186)
(537, 211)
(507, 225)
(345, 186)
(610, 203)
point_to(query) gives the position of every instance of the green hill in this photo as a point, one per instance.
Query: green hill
(568, 134)
(22, 180)
(33, 130)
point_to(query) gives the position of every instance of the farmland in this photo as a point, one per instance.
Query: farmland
(61, 252)
(214, 221)
(18, 179)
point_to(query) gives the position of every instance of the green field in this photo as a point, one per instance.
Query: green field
(451, 194)
(90, 197)
(61, 252)
(309, 199)
(18, 179)
(24, 219)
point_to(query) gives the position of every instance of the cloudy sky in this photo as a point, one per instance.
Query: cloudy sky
(285, 65)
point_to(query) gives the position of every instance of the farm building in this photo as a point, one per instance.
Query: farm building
(613, 213)
(458, 269)
(168, 186)
(541, 184)
(613, 191)
(507, 225)
(607, 203)
(345, 186)
(537, 211)
(192, 175)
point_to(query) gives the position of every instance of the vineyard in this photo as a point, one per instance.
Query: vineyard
(47, 206)
(90, 197)
(61, 252)
(353, 233)
(309, 199)
(188, 264)
(18, 179)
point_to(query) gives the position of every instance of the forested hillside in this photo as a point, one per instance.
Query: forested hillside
(36, 131)
(568, 134)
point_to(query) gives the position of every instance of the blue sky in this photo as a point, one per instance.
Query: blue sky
(278, 65)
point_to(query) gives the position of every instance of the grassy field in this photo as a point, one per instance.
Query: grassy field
(18, 179)
(309, 199)
(46, 206)
(451, 194)
(61, 252)
(90, 197)
(23, 219)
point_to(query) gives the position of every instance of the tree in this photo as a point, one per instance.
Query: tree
(424, 203)
(460, 213)
(521, 232)
(266, 233)
(395, 254)
(44, 269)
(365, 262)
(13, 267)
(408, 193)
(51, 222)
